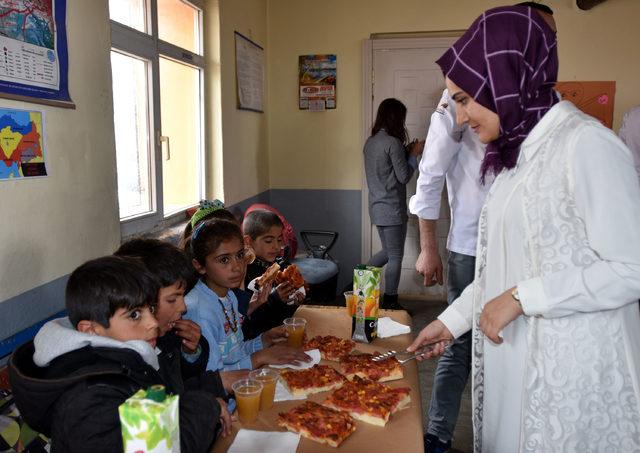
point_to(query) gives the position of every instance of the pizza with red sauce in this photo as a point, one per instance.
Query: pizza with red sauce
(318, 423)
(331, 348)
(363, 366)
(369, 401)
(319, 378)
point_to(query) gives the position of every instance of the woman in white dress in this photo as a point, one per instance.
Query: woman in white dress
(553, 307)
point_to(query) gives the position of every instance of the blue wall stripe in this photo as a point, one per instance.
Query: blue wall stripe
(8, 345)
(31, 307)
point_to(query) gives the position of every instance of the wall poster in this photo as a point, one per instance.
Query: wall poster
(249, 74)
(33, 52)
(21, 144)
(317, 82)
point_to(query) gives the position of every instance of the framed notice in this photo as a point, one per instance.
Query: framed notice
(33, 52)
(317, 82)
(249, 74)
(593, 98)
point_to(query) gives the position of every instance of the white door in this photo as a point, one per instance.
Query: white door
(405, 69)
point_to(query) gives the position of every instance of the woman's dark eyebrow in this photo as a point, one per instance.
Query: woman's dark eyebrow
(456, 95)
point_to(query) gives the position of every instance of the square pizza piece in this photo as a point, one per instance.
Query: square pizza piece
(318, 423)
(331, 348)
(319, 378)
(369, 401)
(363, 366)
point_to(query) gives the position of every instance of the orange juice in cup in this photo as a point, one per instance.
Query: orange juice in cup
(295, 328)
(268, 377)
(351, 300)
(247, 392)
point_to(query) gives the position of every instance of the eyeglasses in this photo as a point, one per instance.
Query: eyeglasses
(227, 259)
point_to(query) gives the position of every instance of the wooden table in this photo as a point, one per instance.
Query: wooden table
(403, 433)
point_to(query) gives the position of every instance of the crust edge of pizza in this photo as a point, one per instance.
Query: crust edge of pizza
(311, 390)
(362, 416)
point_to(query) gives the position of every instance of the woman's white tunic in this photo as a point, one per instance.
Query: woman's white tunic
(564, 227)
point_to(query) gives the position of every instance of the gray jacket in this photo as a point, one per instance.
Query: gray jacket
(388, 170)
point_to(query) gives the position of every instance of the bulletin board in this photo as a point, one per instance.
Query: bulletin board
(593, 98)
(249, 74)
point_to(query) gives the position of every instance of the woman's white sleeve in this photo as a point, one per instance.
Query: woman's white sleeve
(458, 317)
(606, 190)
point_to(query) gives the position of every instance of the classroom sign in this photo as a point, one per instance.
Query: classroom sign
(21, 144)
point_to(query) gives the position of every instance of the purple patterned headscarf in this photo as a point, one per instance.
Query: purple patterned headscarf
(508, 62)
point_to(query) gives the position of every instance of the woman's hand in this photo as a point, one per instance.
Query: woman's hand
(498, 313)
(435, 332)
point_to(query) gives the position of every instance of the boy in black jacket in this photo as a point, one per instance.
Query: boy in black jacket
(69, 382)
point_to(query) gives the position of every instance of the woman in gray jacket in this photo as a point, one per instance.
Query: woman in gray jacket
(389, 163)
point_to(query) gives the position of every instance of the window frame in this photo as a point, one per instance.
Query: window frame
(148, 46)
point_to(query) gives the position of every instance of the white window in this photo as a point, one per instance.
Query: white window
(157, 71)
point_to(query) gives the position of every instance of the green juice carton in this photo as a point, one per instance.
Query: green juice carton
(366, 294)
(150, 423)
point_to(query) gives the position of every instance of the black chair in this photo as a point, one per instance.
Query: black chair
(319, 269)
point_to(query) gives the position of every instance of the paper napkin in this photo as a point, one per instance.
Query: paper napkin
(249, 441)
(387, 327)
(282, 394)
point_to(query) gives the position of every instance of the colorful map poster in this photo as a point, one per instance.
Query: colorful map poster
(21, 144)
(33, 51)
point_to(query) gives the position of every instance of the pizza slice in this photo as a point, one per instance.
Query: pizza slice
(369, 401)
(292, 275)
(319, 378)
(318, 423)
(363, 366)
(331, 348)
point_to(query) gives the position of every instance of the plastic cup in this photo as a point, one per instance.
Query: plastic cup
(295, 328)
(351, 301)
(268, 377)
(247, 393)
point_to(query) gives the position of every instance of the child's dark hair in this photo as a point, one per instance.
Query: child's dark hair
(164, 260)
(208, 236)
(391, 116)
(98, 288)
(258, 222)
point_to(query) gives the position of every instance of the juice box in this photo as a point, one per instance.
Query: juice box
(149, 422)
(364, 317)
